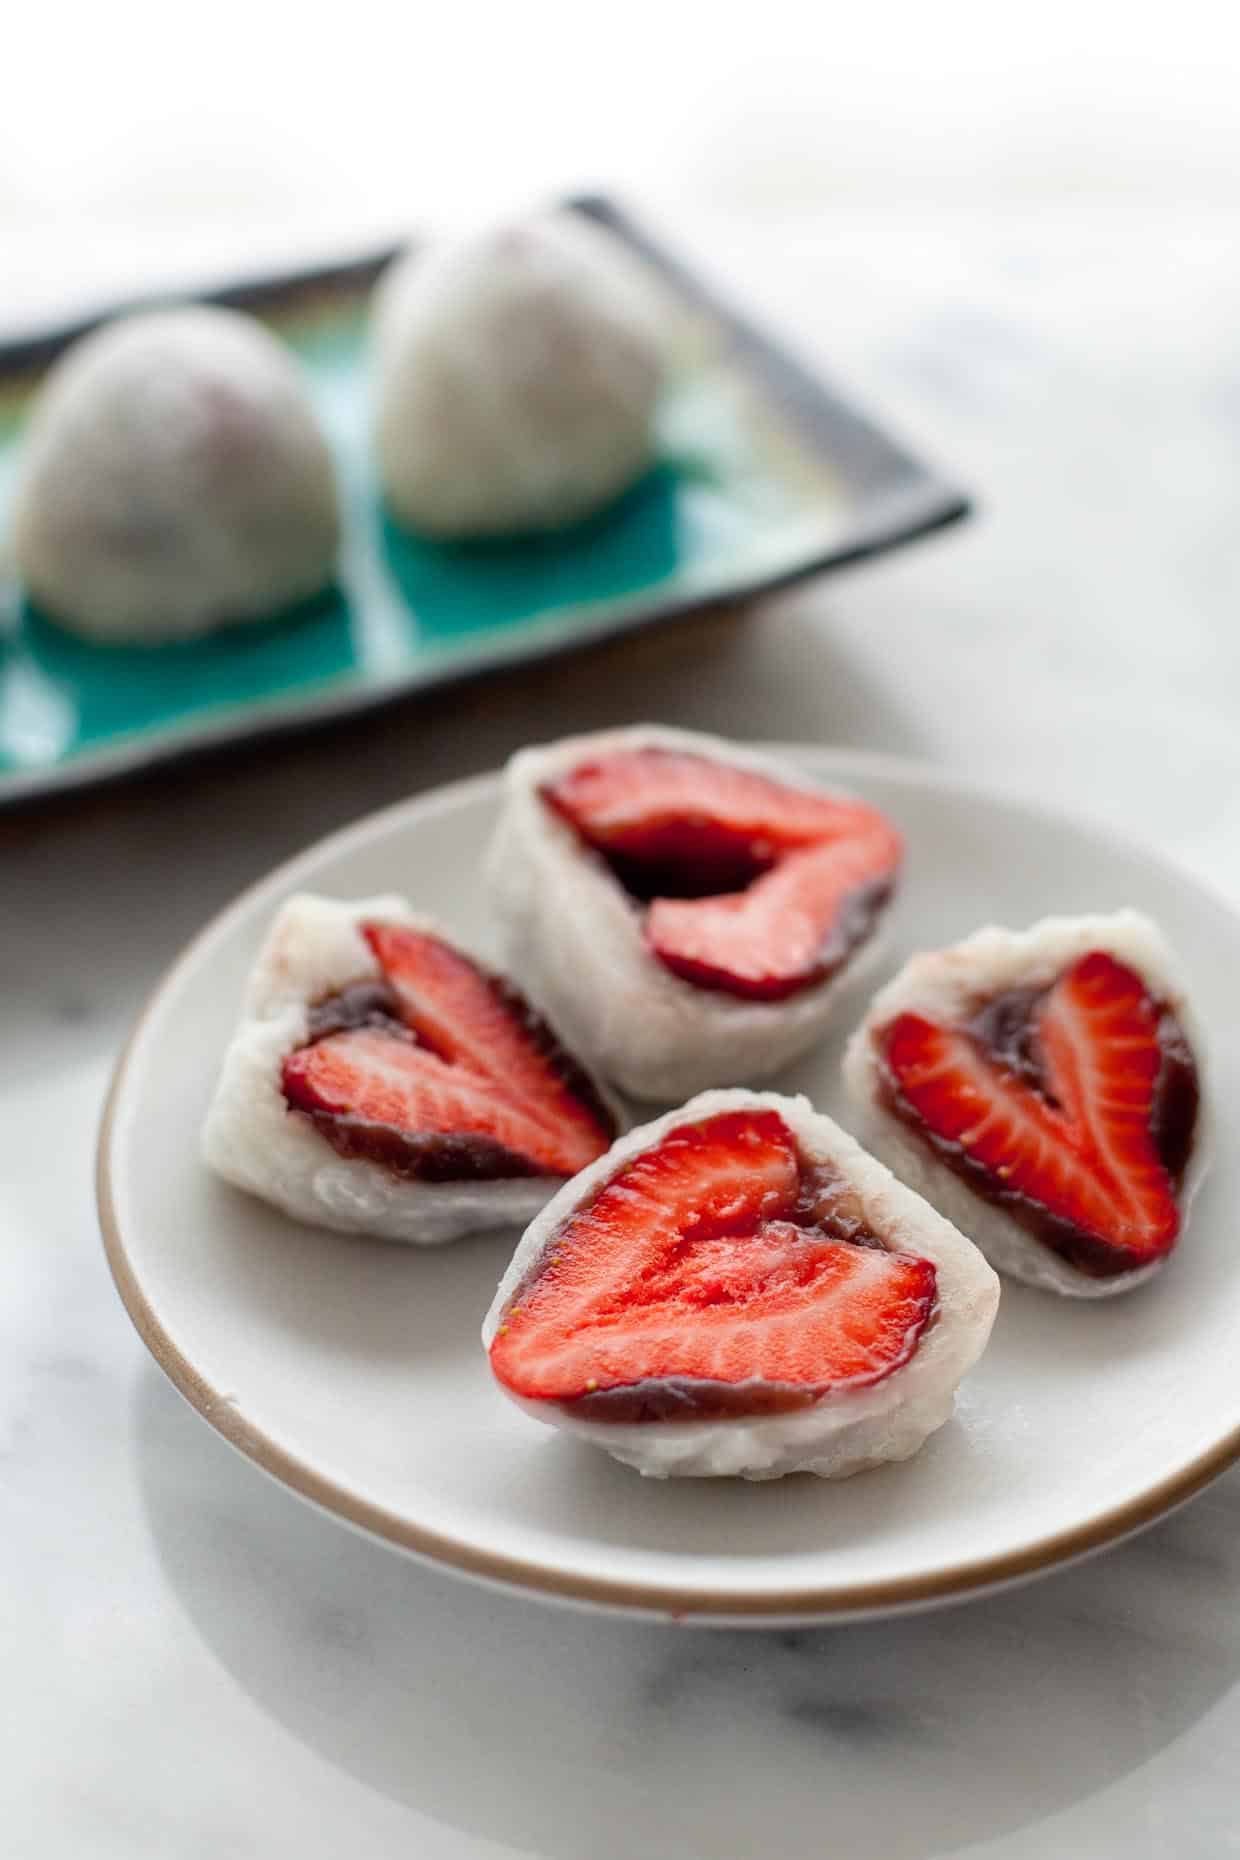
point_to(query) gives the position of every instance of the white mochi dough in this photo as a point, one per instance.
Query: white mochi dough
(949, 985)
(518, 378)
(847, 1430)
(174, 479)
(572, 937)
(252, 1139)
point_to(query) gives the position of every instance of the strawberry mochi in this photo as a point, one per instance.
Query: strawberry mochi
(1044, 1089)
(685, 910)
(382, 1081)
(739, 1289)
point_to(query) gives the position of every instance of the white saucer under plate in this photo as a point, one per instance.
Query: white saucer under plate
(352, 1370)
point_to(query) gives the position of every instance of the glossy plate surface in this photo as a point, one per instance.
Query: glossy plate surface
(352, 1370)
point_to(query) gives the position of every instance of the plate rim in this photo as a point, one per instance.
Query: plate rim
(736, 1607)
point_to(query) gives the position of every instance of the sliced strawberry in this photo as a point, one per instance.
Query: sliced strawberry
(705, 826)
(1078, 1161)
(1099, 1031)
(442, 1072)
(477, 1020)
(759, 889)
(379, 1096)
(794, 926)
(690, 1286)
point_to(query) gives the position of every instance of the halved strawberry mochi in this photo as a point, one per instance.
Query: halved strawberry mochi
(754, 887)
(715, 1274)
(1072, 1106)
(442, 1072)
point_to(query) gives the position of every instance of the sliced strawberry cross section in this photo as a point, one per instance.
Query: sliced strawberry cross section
(755, 888)
(462, 1081)
(793, 926)
(481, 1022)
(1078, 1162)
(691, 1285)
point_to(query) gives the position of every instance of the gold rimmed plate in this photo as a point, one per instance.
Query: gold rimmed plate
(352, 1371)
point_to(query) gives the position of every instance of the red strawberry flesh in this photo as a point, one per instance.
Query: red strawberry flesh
(709, 1277)
(674, 808)
(1072, 1107)
(794, 926)
(441, 1072)
(480, 1021)
(755, 888)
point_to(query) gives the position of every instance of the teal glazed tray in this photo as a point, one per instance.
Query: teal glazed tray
(765, 475)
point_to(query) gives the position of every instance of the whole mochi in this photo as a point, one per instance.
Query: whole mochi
(174, 479)
(519, 374)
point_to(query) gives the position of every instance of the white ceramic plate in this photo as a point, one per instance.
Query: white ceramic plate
(352, 1370)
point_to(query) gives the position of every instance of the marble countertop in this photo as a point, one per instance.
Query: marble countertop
(199, 1665)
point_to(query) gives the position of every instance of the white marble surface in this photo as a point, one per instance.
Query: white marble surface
(196, 1664)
